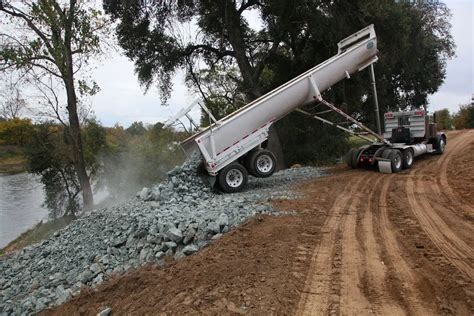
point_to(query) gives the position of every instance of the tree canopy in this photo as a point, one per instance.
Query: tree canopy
(206, 38)
(444, 120)
(414, 41)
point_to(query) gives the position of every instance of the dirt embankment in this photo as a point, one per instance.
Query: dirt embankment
(361, 243)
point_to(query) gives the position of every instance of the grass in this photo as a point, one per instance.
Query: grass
(36, 234)
(12, 159)
(355, 142)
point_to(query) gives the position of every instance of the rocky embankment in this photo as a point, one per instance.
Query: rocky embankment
(174, 218)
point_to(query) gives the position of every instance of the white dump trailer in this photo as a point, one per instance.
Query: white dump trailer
(232, 146)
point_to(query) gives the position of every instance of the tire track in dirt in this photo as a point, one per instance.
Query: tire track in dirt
(375, 271)
(460, 143)
(453, 248)
(316, 296)
(403, 272)
(443, 199)
(352, 300)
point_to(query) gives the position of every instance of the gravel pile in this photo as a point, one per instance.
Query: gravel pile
(174, 218)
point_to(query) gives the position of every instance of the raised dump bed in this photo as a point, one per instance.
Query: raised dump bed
(232, 147)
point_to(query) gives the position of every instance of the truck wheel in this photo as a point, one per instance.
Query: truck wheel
(407, 159)
(233, 178)
(386, 153)
(395, 157)
(351, 158)
(261, 163)
(441, 145)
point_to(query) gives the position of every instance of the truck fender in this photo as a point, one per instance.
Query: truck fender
(442, 136)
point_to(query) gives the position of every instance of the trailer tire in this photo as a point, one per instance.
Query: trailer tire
(232, 178)
(351, 158)
(407, 158)
(395, 157)
(261, 163)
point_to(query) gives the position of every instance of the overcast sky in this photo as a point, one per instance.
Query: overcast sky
(122, 100)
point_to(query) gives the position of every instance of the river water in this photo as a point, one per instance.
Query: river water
(21, 196)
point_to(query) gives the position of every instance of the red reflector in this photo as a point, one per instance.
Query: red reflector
(361, 159)
(419, 113)
(370, 159)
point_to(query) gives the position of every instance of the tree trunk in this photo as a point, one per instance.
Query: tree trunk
(236, 40)
(76, 141)
(250, 79)
(75, 128)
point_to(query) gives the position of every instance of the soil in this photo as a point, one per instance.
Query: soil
(360, 242)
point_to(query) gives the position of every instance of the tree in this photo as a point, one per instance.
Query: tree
(49, 155)
(13, 105)
(465, 117)
(295, 36)
(136, 128)
(54, 38)
(444, 120)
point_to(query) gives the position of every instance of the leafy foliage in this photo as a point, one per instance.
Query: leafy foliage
(16, 132)
(444, 120)
(465, 117)
(136, 128)
(49, 156)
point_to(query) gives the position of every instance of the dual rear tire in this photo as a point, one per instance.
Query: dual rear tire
(399, 159)
(261, 163)
(233, 178)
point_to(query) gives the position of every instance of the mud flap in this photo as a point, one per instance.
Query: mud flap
(385, 166)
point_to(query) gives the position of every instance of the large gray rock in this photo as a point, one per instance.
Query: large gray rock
(144, 194)
(223, 220)
(213, 227)
(62, 294)
(190, 249)
(170, 245)
(175, 234)
(85, 276)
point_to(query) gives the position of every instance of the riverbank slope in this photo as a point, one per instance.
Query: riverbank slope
(12, 159)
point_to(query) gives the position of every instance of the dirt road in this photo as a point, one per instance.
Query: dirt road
(362, 243)
(369, 260)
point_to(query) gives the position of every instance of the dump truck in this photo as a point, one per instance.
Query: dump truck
(408, 134)
(236, 145)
